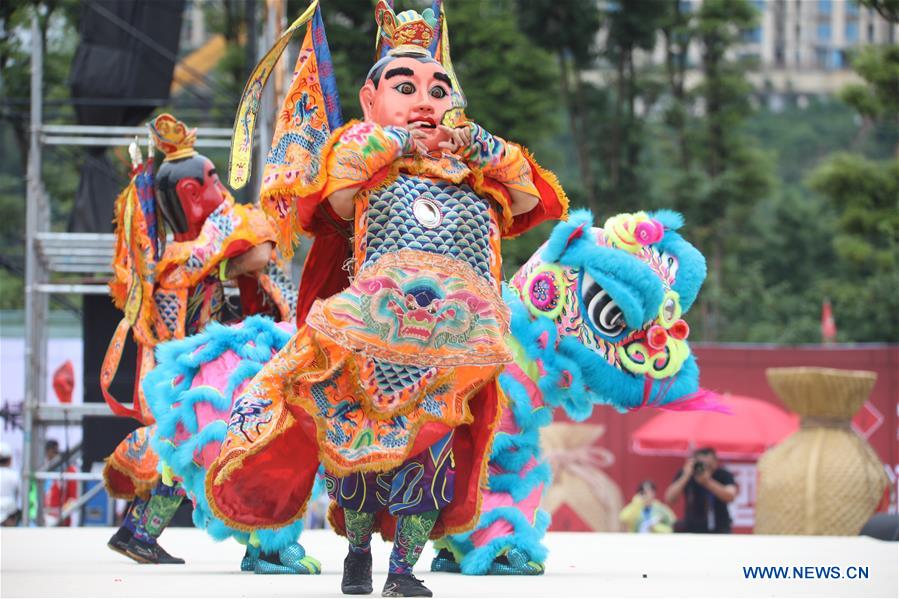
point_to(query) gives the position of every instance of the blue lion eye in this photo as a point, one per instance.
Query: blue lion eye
(600, 309)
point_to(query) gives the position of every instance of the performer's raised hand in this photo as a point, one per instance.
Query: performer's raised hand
(418, 133)
(459, 138)
(251, 262)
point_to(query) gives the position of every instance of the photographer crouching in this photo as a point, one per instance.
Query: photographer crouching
(707, 489)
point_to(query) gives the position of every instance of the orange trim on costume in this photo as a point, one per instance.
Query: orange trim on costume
(454, 524)
(245, 465)
(250, 229)
(131, 286)
(291, 208)
(111, 366)
(331, 317)
(286, 446)
(234, 450)
(282, 303)
(553, 200)
(240, 486)
(463, 513)
(120, 483)
(446, 167)
(497, 192)
(335, 464)
(348, 165)
(126, 473)
(146, 363)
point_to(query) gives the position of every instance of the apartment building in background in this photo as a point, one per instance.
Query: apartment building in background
(799, 47)
(805, 46)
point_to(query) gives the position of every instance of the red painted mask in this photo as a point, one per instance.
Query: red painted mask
(409, 91)
(199, 200)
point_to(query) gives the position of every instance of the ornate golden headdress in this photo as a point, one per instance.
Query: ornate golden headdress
(173, 138)
(408, 31)
(413, 32)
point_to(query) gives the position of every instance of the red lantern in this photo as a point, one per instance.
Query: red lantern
(64, 382)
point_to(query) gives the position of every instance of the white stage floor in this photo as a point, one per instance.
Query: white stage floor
(76, 563)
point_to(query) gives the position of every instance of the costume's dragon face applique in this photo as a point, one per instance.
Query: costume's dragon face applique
(422, 310)
(419, 311)
(605, 308)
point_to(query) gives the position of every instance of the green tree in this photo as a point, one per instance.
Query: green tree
(569, 30)
(57, 23)
(677, 31)
(506, 77)
(803, 136)
(784, 263)
(888, 9)
(787, 255)
(865, 195)
(718, 174)
(632, 27)
(877, 99)
(230, 19)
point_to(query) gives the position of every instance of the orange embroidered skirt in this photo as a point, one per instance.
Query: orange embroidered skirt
(380, 372)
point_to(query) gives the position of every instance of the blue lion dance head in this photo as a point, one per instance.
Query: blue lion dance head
(600, 312)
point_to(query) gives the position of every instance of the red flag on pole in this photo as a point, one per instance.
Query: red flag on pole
(828, 325)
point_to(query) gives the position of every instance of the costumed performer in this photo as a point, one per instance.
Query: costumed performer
(392, 381)
(171, 290)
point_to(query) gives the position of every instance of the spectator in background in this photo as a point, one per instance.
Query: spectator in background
(645, 513)
(58, 492)
(707, 489)
(10, 489)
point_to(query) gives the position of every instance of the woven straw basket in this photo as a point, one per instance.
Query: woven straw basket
(824, 479)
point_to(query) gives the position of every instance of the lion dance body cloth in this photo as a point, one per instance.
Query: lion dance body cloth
(595, 320)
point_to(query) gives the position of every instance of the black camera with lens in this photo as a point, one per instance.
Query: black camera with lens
(698, 468)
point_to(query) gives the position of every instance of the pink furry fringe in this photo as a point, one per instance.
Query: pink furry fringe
(705, 400)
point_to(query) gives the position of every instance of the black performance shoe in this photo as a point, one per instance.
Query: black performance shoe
(150, 554)
(405, 585)
(119, 542)
(356, 574)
